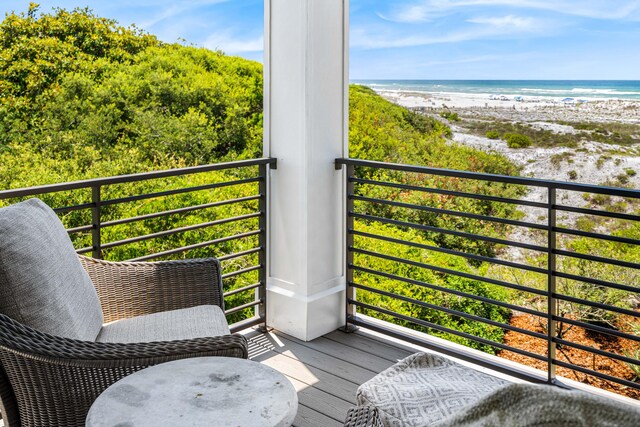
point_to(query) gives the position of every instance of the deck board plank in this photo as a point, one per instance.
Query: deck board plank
(325, 372)
(370, 345)
(307, 417)
(313, 357)
(346, 353)
(321, 401)
(339, 387)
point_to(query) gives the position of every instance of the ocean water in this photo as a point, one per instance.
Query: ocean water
(577, 89)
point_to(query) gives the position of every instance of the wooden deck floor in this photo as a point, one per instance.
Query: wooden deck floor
(326, 371)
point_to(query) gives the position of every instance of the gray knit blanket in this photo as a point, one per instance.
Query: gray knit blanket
(529, 405)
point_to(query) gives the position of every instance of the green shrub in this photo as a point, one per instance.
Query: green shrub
(492, 134)
(573, 175)
(585, 224)
(450, 116)
(423, 294)
(556, 159)
(622, 179)
(630, 172)
(517, 140)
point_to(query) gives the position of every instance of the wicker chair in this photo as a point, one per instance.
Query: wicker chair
(363, 416)
(51, 380)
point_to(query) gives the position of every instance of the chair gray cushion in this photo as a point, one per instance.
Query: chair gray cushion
(424, 389)
(186, 323)
(42, 283)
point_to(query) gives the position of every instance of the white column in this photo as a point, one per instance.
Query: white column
(306, 101)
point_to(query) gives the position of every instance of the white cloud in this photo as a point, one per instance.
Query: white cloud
(509, 26)
(225, 42)
(509, 21)
(428, 10)
(365, 40)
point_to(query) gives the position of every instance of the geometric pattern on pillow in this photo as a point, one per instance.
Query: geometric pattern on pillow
(424, 389)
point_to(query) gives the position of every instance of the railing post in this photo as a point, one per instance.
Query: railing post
(96, 238)
(350, 290)
(552, 307)
(262, 243)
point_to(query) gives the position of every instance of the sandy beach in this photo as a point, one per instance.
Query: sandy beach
(591, 162)
(528, 109)
(594, 162)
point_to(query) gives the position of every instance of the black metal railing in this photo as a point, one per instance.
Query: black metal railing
(221, 209)
(567, 268)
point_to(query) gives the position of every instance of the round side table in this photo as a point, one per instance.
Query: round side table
(202, 391)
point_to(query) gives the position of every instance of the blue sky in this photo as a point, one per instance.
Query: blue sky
(420, 39)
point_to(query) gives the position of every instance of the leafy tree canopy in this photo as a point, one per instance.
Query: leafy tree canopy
(82, 93)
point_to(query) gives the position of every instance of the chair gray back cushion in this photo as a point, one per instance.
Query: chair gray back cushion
(42, 283)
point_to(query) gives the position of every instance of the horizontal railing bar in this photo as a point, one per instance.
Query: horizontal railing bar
(246, 324)
(242, 307)
(452, 291)
(597, 328)
(240, 254)
(596, 374)
(450, 193)
(439, 269)
(596, 212)
(534, 182)
(80, 229)
(67, 209)
(597, 305)
(121, 179)
(445, 231)
(597, 259)
(241, 290)
(447, 350)
(450, 212)
(242, 271)
(597, 351)
(129, 199)
(180, 210)
(597, 282)
(597, 236)
(450, 311)
(179, 230)
(196, 246)
(446, 330)
(451, 252)
(84, 250)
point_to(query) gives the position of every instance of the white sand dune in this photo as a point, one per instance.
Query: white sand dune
(592, 162)
(586, 160)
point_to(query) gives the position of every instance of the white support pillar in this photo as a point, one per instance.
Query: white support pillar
(306, 104)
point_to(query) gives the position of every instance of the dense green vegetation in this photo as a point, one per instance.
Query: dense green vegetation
(116, 100)
(380, 130)
(81, 97)
(427, 298)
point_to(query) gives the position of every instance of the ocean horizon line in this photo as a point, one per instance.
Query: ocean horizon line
(583, 89)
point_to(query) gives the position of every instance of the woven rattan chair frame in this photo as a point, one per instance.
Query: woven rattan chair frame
(52, 381)
(363, 416)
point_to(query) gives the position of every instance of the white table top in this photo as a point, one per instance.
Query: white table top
(202, 391)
